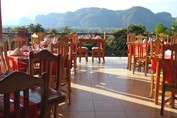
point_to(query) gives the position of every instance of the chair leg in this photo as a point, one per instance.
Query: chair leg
(145, 67)
(99, 57)
(86, 56)
(163, 101)
(128, 62)
(103, 58)
(75, 64)
(152, 84)
(134, 64)
(92, 56)
(56, 111)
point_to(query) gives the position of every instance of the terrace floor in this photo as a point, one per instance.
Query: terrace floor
(111, 91)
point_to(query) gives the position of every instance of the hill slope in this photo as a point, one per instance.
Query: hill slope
(103, 18)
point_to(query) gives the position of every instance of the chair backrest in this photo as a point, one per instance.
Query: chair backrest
(74, 40)
(130, 42)
(156, 48)
(48, 62)
(65, 49)
(104, 40)
(164, 37)
(17, 42)
(62, 47)
(34, 39)
(12, 94)
(4, 63)
(131, 37)
(22, 33)
(140, 46)
(65, 39)
(170, 67)
(174, 40)
(41, 35)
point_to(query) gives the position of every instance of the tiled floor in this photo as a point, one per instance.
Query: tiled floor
(111, 91)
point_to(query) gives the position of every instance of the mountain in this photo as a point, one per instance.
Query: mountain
(103, 18)
(25, 21)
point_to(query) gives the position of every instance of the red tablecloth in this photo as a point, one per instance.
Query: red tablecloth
(33, 108)
(15, 63)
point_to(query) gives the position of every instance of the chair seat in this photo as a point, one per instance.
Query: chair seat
(84, 47)
(54, 96)
(96, 48)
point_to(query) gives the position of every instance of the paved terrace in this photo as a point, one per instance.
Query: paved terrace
(111, 91)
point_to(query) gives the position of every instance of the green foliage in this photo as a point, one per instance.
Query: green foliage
(66, 30)
(159, 28)
(173, 28)
(137, 29)
(52, 33)
(35, 28)
(16, 29)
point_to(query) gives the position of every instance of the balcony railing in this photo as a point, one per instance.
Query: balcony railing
(115, 44)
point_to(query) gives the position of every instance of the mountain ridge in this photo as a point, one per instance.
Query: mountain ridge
(103, 18)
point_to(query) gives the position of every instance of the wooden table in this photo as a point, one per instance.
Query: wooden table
(99, 42)
(18, 61)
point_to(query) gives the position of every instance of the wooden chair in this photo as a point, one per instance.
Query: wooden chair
(156, 50)
(164, 37)
(169, 76)
(17, 42)
(4, 63)
(174, 40)
(141, 57)
(41, 35)
(99, 51)
(130, 42)
(52, 64)
(74, 40)
(34, 39)
(65, 49)
(22, 33)
(23, 83)
(82, 51)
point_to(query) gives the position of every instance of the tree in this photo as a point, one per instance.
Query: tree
(35, 28)
(174, 28)
(159, 28)
(15, 29)
(137, 29)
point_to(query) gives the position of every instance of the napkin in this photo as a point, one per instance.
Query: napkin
(82, 37)
(24, 48)
(46, 40)
(98, 37)
(17, 52)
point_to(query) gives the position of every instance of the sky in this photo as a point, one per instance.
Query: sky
(12, 10)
